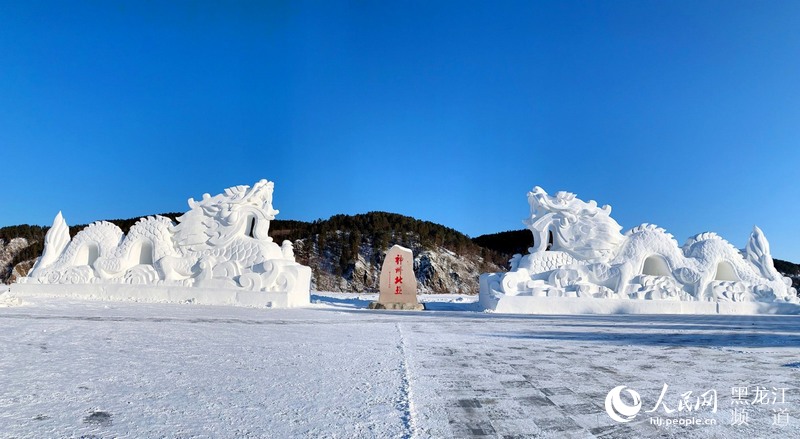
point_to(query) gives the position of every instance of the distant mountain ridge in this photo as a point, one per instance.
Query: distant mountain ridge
(345, 252)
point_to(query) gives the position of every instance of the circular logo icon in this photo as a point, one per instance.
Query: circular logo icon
(617, 409)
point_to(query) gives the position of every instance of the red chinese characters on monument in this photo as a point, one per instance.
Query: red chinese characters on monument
(397, 282)
(398, 279)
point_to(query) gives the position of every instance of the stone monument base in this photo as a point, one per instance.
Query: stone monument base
(400, 306)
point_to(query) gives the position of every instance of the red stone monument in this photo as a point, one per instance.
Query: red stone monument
(398, 285)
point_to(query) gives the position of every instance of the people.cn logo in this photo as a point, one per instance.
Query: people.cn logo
(619, 410)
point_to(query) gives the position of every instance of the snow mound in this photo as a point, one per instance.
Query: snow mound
(7, 300)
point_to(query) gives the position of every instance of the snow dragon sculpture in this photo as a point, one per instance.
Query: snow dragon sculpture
(579, 252)
(221, 243)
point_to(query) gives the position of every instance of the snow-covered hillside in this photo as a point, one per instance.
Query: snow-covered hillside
(10, 269)
(112, 369)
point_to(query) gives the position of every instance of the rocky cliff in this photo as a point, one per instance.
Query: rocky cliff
(346, 252)
(438, 269)
(11, 267)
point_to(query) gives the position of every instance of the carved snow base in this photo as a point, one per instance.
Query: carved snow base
(297, 297)
(526, 304)
(398, 306)
(566, 305)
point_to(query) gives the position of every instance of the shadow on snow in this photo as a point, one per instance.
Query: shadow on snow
(746, 338)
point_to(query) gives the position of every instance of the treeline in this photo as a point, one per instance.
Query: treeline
(35, 235)
(786, 267)
(124, 224)
(507, 243)
(789, 269)
(381, 228)
(31, 233)
(341, 236)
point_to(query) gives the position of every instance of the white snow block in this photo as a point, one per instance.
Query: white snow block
(758, 308)
(165, 294)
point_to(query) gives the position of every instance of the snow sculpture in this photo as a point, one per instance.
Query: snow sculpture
(579, 255)
(220, 248)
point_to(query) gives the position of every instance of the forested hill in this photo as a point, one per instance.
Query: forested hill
(507, 243)
(346, 252)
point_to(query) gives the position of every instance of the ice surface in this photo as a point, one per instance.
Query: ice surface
(72, 368)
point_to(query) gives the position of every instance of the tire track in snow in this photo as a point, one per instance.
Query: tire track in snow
(405, 402)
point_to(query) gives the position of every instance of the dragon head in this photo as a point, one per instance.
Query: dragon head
(241, 211)
(565, 223)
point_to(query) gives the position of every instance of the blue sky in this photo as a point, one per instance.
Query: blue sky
(685, 114)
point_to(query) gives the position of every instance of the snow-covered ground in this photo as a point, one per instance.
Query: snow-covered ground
(72, 368)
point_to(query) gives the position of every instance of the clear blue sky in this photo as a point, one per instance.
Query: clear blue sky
(685, 114)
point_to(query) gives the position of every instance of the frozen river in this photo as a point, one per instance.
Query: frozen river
(73, 368)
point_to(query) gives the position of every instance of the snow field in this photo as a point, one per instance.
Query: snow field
(73, 368)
